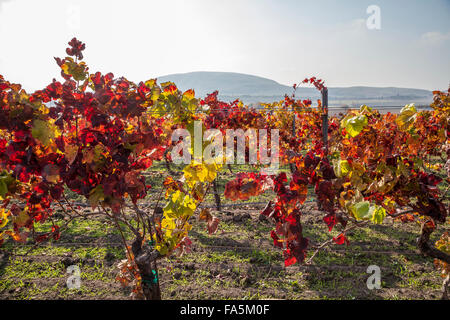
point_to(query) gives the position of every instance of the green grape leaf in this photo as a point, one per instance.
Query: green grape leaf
(44, 131)
(354, 125)
(361, 210)
(378, 214)
(364, 211)
(3, 189)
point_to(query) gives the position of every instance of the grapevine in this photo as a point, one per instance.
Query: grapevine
(95, 135)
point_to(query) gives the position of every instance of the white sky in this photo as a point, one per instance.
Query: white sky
(284, 40)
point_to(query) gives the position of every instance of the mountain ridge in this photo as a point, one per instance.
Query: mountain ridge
(257, 89)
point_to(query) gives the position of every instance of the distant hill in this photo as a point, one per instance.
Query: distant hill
(227, 83)
(251, 88)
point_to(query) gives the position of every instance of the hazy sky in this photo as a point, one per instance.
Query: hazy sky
(284, 40)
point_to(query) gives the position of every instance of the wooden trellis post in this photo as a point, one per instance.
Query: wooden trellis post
(216, 193)
(325, 118)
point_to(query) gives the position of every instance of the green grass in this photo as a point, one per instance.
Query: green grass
(238, 262)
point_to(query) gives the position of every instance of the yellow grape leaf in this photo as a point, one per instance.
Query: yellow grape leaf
(406, 117)
(341, 168)
(150, 83)
(378, 214)
(43, 109)
(129, 128)
(189, 205)
(44, 131)
(180, 205)
(162, 248)
(76, 70)
(156, 93)
(168, 225)
(3, 217)
(365, 109)
(195, 172)
(212, 169)
(190, 94)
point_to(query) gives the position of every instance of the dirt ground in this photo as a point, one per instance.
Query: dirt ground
(238, 262)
